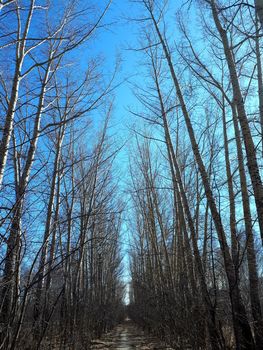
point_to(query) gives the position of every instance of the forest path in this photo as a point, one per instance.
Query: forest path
(127, 336)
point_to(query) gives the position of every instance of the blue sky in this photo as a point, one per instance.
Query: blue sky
(115, 42)
(112, 44)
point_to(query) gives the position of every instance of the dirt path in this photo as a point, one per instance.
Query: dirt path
(127, 337)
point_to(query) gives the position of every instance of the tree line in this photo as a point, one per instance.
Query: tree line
(196, 177)
(60, 223)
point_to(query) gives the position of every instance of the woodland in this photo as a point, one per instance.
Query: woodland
(177, 206)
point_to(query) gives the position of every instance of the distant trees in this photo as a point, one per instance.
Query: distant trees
(60, 218)
(199, 100)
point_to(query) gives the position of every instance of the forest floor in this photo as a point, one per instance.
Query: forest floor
(127, 336)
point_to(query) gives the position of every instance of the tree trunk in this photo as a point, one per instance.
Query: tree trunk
(243, 334)
(242, 117)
